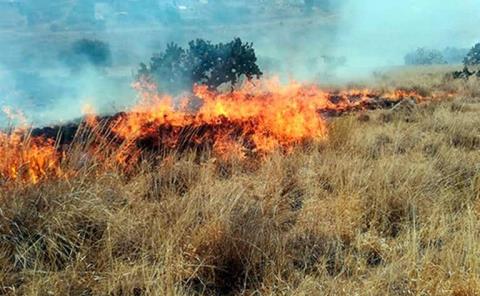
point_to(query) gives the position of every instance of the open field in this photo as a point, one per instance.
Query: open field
(388, 203)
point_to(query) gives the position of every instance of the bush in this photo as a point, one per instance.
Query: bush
(473, 56)
(423, 56)
(177, 69)
(87, 52)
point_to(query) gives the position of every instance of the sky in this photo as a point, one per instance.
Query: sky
(380, 32)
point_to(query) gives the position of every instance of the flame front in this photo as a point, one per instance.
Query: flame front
(268, 116)
(260, 117)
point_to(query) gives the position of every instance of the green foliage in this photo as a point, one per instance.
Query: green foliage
(204, 63)
(424, 56)
(88, 52)
(473, 56)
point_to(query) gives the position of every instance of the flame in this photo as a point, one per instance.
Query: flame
(270, 116)
(27, 159)
(90, 115)
(258, 118)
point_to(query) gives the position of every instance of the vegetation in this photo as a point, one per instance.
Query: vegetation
(85, 52)
(177, 69)
(389, 205)
(473, 56)
(454, 55)
(424, 56)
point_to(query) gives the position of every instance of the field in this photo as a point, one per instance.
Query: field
(387, 204)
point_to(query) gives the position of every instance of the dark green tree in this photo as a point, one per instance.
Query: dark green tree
(473, 56)
(170, 68)
(177, 69)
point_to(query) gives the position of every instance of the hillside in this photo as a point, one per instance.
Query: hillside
(388, 203)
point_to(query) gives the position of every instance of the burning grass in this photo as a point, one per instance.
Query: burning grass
(384, 205)
(253, 120)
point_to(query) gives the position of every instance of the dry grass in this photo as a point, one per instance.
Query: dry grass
(390, 204)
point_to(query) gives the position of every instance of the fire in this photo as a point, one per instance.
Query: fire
(26, 158)
(264, 117)
(89, 113)
(258, 118)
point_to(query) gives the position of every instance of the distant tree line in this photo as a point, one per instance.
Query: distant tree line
(426, 56)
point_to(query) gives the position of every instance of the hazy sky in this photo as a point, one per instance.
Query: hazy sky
(383, 30)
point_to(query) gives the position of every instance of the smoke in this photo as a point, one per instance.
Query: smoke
(375, 33)
(313, 40)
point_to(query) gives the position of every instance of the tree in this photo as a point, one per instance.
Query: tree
(87, 52)
(454, 55)
(177, 69)
(170, 69)
(473, 56)
(423, 56)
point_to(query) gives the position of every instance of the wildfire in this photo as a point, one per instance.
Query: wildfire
(263, 117)
(26, 158)
(257, 118)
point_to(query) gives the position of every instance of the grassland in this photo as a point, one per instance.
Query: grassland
(389, 204)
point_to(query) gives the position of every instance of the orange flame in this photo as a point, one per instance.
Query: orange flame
(271, 115)
(27, 159)
(259, 117)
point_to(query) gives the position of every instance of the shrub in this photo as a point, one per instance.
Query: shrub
(86, 51)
